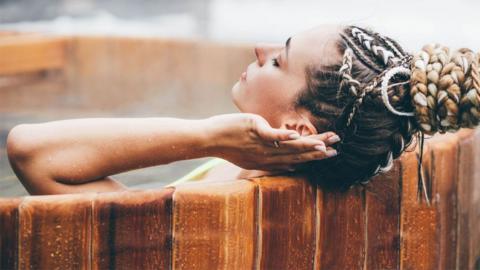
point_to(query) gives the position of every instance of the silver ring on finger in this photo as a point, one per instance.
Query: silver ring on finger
(276, 144)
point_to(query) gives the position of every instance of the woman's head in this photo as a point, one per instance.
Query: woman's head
(333, 82)
(275, 79)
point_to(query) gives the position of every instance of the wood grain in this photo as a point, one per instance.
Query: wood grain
(418, 225)
(444, 150)
(214, 225)
(474, 258)
(466, 170)
(132, 230)
(54, 231)
(342, 229)
(383, 220)
(9, 232)
(287, 223)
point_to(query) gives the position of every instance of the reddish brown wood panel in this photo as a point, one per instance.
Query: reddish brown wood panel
(287, 222)
(466, 170)
(475, 209)
(9, 233)
(214, 225)
(54, 232)
(418, 224)
(444, 152)
(383, 220)
(132, 230)
(341, 242)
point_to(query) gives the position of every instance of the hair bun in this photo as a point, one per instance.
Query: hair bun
(445, 88)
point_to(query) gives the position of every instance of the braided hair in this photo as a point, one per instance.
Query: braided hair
(380, 97)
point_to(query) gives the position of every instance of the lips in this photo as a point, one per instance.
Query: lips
(244, 76)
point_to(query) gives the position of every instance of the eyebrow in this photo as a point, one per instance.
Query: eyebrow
(287, 46)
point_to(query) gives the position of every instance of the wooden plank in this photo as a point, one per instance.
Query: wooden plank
(29, 54)
(444, 195)
(474, 262)
(9, 233)
(319, 201)
(418, 223)
(55, 231)
(466, 170)
(342, 229)
(383, 220)
(214, 225)
(132, 230)
(287, 222)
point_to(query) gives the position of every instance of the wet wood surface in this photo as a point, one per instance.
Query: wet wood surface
(286, 223)
(418, 230)
(132, 230)
(342, 229)
(444, 196)
(9, 233)
(214, 226)
(382, 220)
(465, 188)
(54, 232)
(474, 208)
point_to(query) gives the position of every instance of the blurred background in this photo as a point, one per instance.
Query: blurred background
(413, 22)
(131, 46)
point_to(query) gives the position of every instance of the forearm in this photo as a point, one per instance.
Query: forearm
(81, 150)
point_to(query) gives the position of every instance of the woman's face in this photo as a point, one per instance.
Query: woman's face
(276, 77)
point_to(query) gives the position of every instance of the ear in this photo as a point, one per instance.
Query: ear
(301, 124)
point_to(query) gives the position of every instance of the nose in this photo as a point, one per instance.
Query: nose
(264, 51)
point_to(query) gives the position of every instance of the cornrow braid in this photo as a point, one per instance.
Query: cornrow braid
(366, 99)
(393, 45)
(385, 53)
(365, 59)
(354, 85)
(359, 91)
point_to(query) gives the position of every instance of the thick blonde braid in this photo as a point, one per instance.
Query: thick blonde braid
(469, 103)
(445, 89)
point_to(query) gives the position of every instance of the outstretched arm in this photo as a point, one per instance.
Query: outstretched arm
(79, 155)
(87, 150)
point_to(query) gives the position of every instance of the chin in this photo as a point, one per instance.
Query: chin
(235, 96)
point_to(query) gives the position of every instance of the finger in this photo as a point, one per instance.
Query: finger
(304, 157)
(304, 144)
(327, 137)
(275, 134)
(266, 132)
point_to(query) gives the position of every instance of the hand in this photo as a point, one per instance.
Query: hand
(247, 140)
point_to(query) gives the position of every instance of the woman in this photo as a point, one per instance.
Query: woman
(354, 94)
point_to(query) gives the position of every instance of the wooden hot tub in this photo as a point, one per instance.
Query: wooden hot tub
(259, 223)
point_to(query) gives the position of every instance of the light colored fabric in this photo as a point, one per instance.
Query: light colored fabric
(197, 173)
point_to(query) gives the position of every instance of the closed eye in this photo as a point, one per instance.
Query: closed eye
(275, 62)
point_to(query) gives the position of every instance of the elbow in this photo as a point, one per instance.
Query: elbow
(20, 143)
(21, 152)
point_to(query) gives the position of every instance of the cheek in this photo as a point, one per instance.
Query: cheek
(261, 92)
